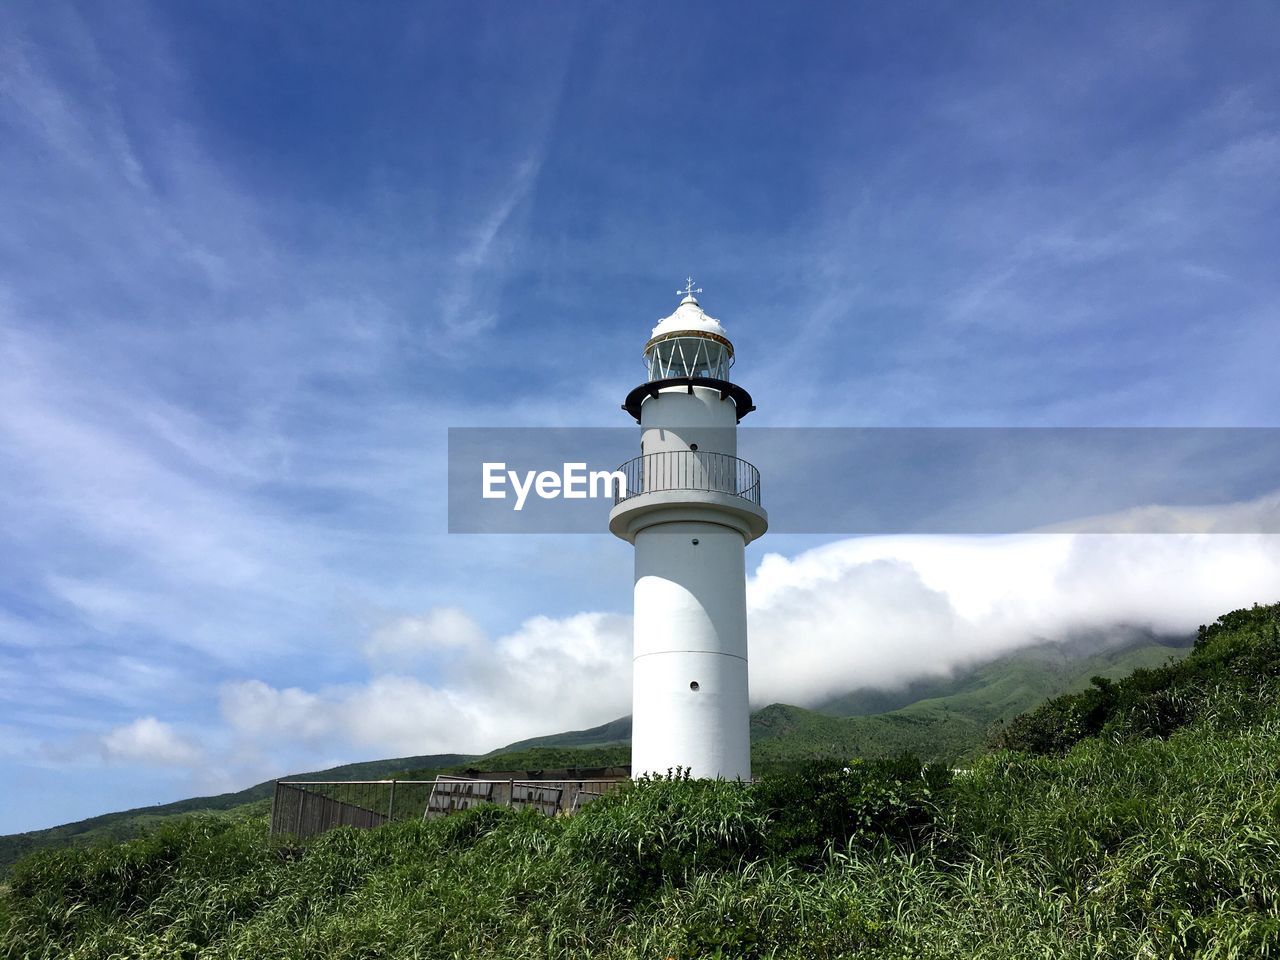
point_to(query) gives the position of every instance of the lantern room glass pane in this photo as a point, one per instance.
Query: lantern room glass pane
(688, 357)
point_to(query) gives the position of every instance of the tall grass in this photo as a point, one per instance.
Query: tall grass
(1158, 848)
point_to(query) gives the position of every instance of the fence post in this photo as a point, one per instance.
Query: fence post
(511, 793)
(391, 804)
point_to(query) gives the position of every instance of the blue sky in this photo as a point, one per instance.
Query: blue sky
(256, 258)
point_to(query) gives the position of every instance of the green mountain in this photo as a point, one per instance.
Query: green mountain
(951, 724)
(613, 732)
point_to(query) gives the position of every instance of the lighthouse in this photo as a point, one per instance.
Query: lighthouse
(690, 506)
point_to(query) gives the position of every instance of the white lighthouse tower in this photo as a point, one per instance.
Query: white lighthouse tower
(690, 508)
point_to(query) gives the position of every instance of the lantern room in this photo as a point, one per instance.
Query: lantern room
(688, 344)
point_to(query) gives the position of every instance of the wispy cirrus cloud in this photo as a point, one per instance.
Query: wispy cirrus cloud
(220, 408)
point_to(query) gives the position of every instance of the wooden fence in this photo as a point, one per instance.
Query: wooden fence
(304, 813)
(306, 808)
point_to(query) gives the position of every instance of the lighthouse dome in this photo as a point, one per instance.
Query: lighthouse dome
(688, 317)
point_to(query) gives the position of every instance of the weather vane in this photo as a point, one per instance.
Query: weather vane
(689, 289)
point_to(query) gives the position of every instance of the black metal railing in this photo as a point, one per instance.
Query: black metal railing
(670, 470)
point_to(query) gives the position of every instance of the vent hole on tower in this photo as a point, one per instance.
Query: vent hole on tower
(694, 541)
(693, 685)
(693, 446)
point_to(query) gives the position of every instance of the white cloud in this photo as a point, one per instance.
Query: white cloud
(252, 707)
(149, 742)
(406, 639)
(880, 611)
(548, 673)
(873, 612)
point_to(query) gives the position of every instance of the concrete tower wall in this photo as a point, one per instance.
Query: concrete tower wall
(675, 418)
(690, 699)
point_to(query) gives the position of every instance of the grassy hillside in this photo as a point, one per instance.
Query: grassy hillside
(1139, 818)
(133, 823)
(613, 732)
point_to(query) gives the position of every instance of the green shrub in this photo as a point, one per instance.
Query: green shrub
(661, 830)
(834, 805)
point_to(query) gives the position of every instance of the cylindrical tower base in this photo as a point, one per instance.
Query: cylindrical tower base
(690, 699)
(705, 731)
